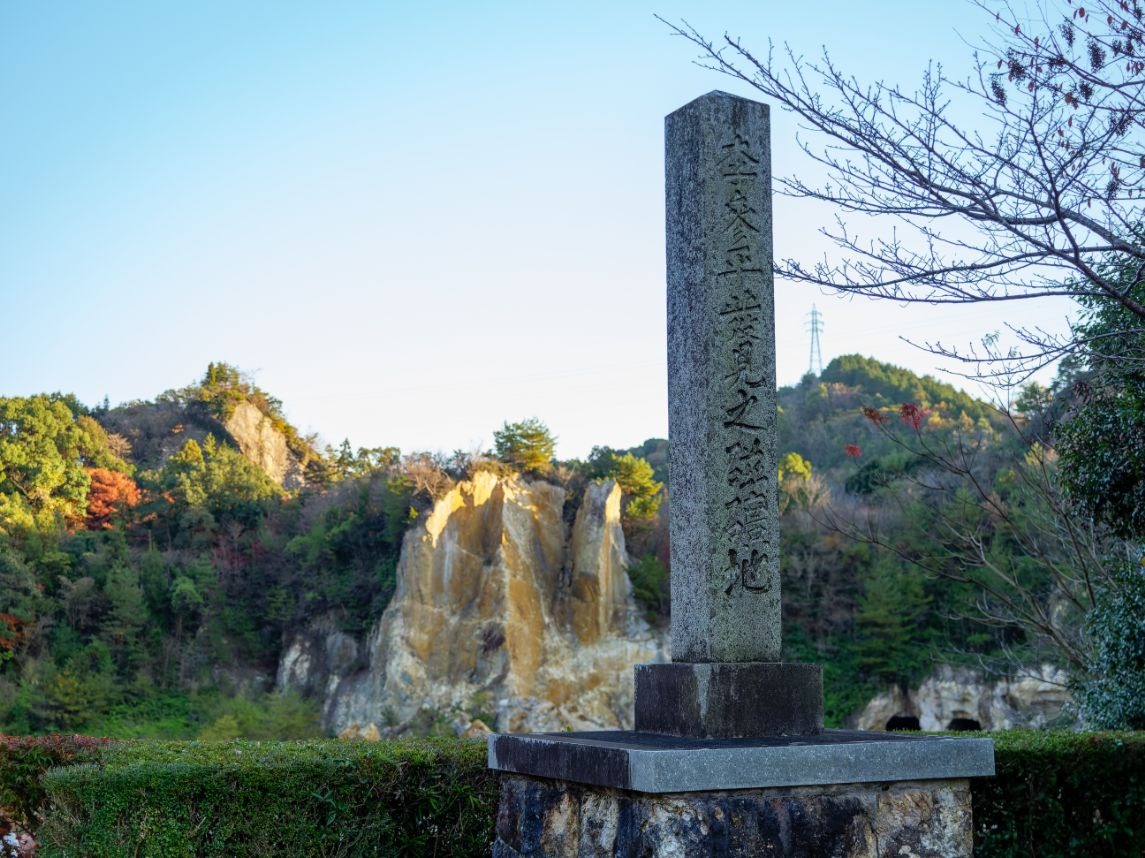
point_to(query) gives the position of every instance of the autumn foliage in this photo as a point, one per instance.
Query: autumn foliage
(913, 415)
(11, 633)
(110, 493)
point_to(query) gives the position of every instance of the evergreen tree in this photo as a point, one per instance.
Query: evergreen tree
(642, 493)
(127, 612)
(891, 613)
(528, 445)
(42, 477)
(1102, 438)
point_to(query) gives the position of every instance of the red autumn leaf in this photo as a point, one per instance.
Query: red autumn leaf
(912, 415)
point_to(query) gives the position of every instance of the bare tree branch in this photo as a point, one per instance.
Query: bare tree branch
(1034, 203)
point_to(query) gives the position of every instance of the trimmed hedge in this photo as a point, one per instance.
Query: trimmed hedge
(1058, 794)
(330, 798)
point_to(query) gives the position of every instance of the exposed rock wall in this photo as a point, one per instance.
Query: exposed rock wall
(317, 659)
(261, 442)
(158, 430)
(1033, 700)
(501, 608)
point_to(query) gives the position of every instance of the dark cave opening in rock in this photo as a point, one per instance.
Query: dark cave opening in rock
(903, 722)
(964, 724)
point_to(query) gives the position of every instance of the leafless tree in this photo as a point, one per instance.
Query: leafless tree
(427, 475)
(1035, 564)
(1043, 199)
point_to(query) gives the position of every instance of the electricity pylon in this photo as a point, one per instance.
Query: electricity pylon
(815, 325)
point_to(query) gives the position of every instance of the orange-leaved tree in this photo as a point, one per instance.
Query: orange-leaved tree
(110, 494)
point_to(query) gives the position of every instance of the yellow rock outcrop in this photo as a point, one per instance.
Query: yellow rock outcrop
(500, 605)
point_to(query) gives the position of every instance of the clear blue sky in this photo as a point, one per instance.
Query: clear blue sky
(410, 221)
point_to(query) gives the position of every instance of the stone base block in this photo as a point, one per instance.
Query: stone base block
(556, 818)
(729, 700)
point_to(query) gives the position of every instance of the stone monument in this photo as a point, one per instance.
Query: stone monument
(725, 679)
(729, 755)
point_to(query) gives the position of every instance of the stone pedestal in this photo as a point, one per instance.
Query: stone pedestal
(645, 762)
(729, 701)
(839, 793)
(931, 819)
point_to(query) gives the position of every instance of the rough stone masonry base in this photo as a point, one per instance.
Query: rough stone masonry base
(557, 818)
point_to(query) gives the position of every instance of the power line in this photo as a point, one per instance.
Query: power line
(815, 325)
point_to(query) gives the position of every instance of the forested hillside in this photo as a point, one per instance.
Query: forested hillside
(148, 567)
(899, 495)
(153, 556)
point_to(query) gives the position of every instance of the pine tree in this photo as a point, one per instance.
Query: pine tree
(528, 445)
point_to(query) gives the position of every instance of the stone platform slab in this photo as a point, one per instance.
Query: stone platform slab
(649, 763)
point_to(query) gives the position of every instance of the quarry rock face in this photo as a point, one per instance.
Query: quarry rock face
(1033, 700)
(317, 658)
(263, 444)
(501, 610)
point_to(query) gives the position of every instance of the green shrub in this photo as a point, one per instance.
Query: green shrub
(651, 588)
(427, 797)
(1058, 794)
(1114, 696)
(23, 760)
(267, 715)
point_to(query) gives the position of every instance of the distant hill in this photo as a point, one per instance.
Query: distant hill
(822, 418)
(227, 406)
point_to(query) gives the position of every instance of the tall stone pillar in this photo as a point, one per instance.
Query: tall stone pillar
(726, 679)
(721, 383)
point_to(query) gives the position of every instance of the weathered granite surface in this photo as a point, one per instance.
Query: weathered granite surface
(721, 382)
(265, 445)
(905, 820)
(728, 701)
